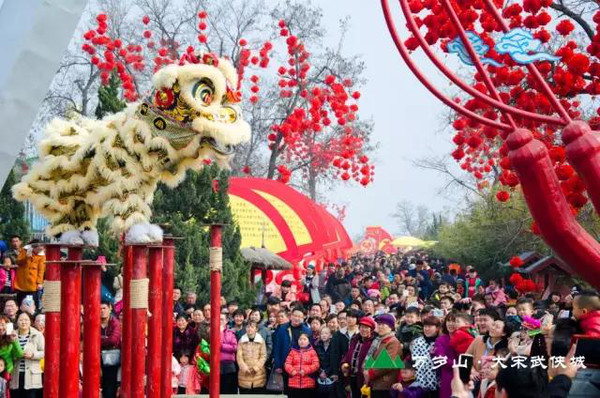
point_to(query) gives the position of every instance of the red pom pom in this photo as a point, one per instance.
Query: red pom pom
(502, 196)
(202, 26)
(253, 99)
(564, 171)
(147, 34)
(146, 20)
(202, 14)
(243, 42)
(246, 169)
(254, 89)
(565, 27)
(515, 279)
(516, 262)
(578, 64)
(329, 80)
(356, 95)
(101, 18)
(202, 38)
(207, 161)
(345, 176)
(284, 32)
(281, 23)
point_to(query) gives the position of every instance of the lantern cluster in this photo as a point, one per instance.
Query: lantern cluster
(480, 150)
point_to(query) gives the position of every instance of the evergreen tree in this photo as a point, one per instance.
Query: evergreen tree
(108, 98)
(201, 200)
(12, 212)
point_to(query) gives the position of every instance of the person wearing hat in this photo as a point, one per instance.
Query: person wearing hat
(30, 272)
(360, 345)
(381, 380)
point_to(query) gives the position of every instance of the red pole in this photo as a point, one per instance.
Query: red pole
(52, 310)
(71, 324)
(92, 275)
(155, 263)
(139, 318)
(216, 264)
(126, 340)
(167, 316)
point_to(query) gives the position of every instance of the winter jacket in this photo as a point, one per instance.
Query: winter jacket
(442, 348)
(188, 377)
(252, 355)
(110, 337)
(324, 355)
(4, 273)
(461, 340)
(33, 370)
(426, 376)
(337, 288)
(302, 359)
(498, 295)
(383, 379)
(228, 345)
(407, 333)
(30, 271)
(339, 347)
(590, 323)
(479, 348)
(283, 343)
(471, 285)
(311, 286)
(11, 352)
(185, 340)
(267, 336)
(358, 349)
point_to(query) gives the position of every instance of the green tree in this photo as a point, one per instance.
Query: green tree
(109, 101)
(12, 212)
(187, 210)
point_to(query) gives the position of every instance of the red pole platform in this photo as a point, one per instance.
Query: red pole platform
(70, 299)
(167, 316)
(153, 364)
(52, 311)
(139, 318)
(92, 280)
(126, 335)
(216, 265)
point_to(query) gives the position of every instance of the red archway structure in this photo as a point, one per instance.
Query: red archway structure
(285, 221)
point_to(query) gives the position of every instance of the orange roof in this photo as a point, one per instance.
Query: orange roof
(286, 221)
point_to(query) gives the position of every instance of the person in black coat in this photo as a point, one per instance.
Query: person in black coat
(325, 388)
(340, 342)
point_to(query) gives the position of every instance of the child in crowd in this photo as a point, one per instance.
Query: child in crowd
(7, 276)
(315, 326)
(188, 381)
(175, 371)
(586, 309)
(464, 335)
(409, 329)
(408, 387)
(301, 365)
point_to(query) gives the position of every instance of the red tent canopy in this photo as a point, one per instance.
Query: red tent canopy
(285, 221)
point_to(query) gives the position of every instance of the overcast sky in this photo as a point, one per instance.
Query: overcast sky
(407, 120)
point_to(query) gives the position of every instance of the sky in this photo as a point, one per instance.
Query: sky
(407, 120)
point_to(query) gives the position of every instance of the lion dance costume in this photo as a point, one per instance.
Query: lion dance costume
(110, 167)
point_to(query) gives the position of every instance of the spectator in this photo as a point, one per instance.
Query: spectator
(316, 311)
(409, 387)
(487, 345)
(7, 275)
(177, 306)
(323, 349)
(265, 333)
(251, 359)
(190, 303)
(315, 328)
(203, 329)
(472, 283)
(311, 285)
(15, 248)
(237, 323)
(286, 337)
(197, 318)
(381, 380)
(586, 309)
(40, 323)
(339, 345)
(300, 365)
(26, 378)
(185, 338)
(360, 345)
(4, 378)
(442, 348)
(462, 338)
(110, 344)
(188, 381)
(228, 352)
(420, 351)
(29, 276)
(410, 328)
(325, 306)
(175, 372)
(10, 350)
(337, 286)
(496, 293)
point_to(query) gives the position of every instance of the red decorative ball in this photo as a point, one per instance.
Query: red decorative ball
(502, 196)
(146, 20)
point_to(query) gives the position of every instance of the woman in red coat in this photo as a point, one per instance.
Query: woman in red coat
(301, 365)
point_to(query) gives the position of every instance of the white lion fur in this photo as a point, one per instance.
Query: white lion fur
(125, 192)
(144, 233)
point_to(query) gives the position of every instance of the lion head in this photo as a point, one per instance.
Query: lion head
(199, 101)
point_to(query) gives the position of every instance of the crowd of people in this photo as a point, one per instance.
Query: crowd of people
(316, 340)
(322, 336)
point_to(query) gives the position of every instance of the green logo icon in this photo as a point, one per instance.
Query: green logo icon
(383, 362)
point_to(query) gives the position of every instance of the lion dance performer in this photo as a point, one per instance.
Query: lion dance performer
(110, 167)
